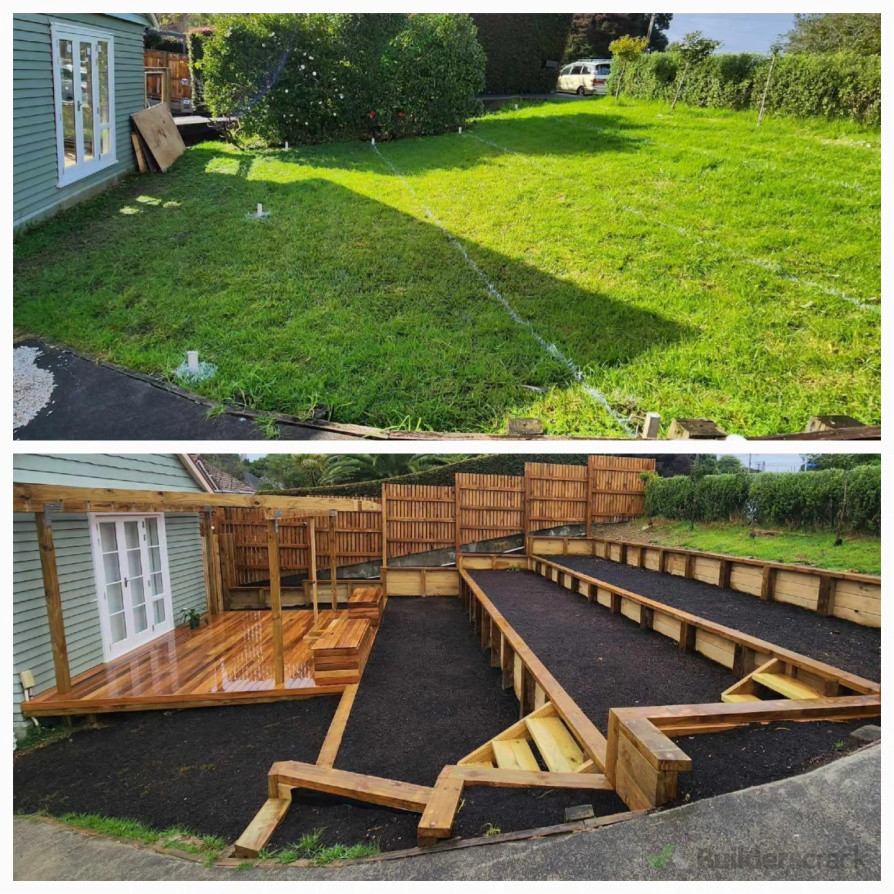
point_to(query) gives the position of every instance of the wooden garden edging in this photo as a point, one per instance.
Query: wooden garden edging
(641, 760)
(840, 594)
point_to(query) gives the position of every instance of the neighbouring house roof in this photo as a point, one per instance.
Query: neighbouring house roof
(219, 481)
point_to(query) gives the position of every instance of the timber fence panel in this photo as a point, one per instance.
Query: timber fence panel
(557, 495)
(489, 507)
(617, 489)
(418, 518)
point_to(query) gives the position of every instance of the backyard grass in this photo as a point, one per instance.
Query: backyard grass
(859, 552)
(176, 838)
(684, 263)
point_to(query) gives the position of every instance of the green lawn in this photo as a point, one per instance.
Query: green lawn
(684, 262)
(858, 552)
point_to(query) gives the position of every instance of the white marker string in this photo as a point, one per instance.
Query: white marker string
(549, 347)
(755, 262)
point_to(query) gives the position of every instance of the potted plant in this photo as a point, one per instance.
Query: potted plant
(192, 617)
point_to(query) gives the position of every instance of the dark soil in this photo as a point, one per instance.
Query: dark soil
(428, 697)
(751, 755)
(843, 644)
(204, 768)
(602, 660)
(605, 661)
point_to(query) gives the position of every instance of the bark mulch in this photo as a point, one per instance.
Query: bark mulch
(843, 644)
(203, 768)
(428, 697)
(605, 661)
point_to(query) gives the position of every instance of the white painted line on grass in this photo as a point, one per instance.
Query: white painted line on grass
(755, 262)
(548, 346)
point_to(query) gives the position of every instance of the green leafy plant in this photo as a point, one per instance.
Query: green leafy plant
(193, 617)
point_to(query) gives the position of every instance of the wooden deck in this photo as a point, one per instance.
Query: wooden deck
(228, 661)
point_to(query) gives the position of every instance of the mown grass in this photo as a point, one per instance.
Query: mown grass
(858, 552)
(175, 838)
(688, 263)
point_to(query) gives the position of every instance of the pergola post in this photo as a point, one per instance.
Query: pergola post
(275, 602)
(54, 601)
(333, 559)
(312, 537)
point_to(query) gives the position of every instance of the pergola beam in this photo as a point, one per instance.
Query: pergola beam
(31, 498)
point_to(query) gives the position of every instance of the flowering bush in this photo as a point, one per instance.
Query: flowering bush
(323, 76)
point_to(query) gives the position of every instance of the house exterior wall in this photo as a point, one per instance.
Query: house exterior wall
(77, 582)
(35, 191)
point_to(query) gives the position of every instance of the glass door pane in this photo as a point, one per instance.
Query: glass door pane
(105, 129)
(67, 88)
(135, 583)
(87, 103)
(114, 582)
(156, 577)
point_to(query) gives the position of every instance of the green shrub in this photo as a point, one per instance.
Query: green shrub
(518, 46)
(831, 85)
(310, 78)
(797, 499)
(711, 498)
(195, 47)
(433, 71)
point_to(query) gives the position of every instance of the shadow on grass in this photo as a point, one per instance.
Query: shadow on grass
(336, 300)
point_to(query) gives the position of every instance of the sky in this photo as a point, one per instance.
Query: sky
(743, 32)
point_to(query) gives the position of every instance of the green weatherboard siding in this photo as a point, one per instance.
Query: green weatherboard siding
(35, 190)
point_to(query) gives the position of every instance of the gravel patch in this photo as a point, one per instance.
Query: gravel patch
(32, 386)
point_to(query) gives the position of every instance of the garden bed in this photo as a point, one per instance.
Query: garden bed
(604, 661)
(427, 698)
(851, 647)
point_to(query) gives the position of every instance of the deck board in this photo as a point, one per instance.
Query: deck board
(228, 660)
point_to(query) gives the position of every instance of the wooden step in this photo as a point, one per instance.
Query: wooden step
(259, 831)
(559, 751)
(514, 754)
(357, 786)
(787, 686)
(731, 697)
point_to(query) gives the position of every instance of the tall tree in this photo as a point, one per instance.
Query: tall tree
(592, 32)
(831, 32)
(183, 21)
(375, 466)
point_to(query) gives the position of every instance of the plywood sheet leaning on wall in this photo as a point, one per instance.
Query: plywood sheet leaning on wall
(160, 135)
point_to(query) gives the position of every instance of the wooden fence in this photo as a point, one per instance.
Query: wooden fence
(413, 519)
(417, 518)
(178, 77)
(616, 487)
(489, 507)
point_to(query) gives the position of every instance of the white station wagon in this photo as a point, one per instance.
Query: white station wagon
(586, 76)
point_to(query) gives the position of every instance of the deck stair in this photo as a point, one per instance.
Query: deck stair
(367, 603)
(340, 653)
(539, 741)
(774, 679)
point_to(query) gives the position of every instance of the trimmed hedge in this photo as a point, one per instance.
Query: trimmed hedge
(518, 46)
(831, 85)
(316, 77)
(797, 499)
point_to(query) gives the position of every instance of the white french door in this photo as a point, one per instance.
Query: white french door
(131, 562)
(84, 86)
